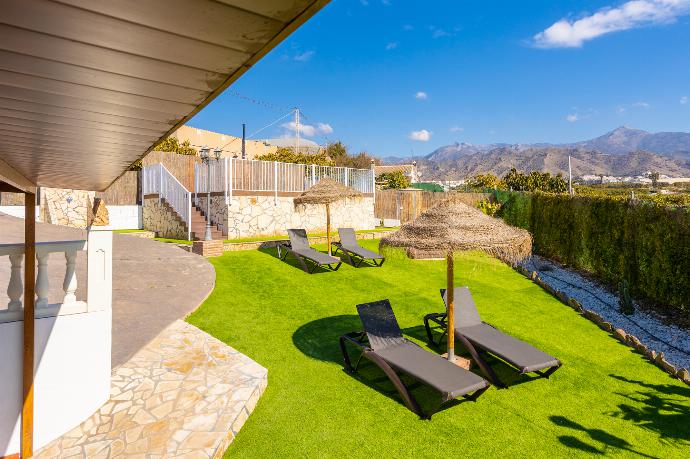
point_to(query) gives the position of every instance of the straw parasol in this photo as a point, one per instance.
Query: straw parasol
(451, 227)
(327, 191)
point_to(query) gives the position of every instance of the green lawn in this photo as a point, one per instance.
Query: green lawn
(378, 229)
(605, 400)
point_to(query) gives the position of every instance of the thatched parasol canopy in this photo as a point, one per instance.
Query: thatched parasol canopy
(327, 191)
(453, 226)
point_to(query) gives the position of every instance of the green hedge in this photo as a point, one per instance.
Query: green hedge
(615, 239)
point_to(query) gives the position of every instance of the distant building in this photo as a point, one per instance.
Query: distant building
(410, 170)
(305, 145)
(230, 145)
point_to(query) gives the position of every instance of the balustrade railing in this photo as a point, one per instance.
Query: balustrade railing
(234, 174)
(156, 179)
(15, 287)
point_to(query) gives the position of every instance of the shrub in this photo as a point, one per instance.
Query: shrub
(488, 207)
(644, 244)
(289, 155)
(393, 180)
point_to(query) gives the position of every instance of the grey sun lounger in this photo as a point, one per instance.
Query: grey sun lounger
(355, 253)
(299, 248)
(382, 343)
(476, 334)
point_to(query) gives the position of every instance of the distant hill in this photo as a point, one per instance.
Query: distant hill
(623, 151)
(626, 140)
(553, 160)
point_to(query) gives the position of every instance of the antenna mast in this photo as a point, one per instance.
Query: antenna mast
(297, 130)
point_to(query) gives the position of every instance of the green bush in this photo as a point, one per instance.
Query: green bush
(644, 244)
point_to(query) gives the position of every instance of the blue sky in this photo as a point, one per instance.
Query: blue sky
(397, 77)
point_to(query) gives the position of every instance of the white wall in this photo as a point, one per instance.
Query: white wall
(17, 211)
(124, 217)
(72, 368)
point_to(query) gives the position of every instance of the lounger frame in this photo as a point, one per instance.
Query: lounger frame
(354, 258)
(439, 318)
(360, 341)
(285, 249)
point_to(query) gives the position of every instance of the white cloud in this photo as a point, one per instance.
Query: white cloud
(620, 110)
(420, 136)
(644, 105)
(421, 95)
(632, 14)
(456, 129)
(324, 128)
(438, 33)
(684, 100)
(309, 130)
(305, 56)
(391, 45)
(573, 117)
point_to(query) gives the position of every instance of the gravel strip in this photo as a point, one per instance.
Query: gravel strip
(673, 341)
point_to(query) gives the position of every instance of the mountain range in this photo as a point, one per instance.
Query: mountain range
(621, 152)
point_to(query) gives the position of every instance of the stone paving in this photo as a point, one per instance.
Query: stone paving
(185, 394)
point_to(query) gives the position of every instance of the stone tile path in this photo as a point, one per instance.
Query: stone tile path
(185, 394)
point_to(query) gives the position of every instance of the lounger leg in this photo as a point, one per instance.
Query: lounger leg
(549, 372)
(348, 257)
(486, 369)
(429, 332)
(409, 400)
(476, 394)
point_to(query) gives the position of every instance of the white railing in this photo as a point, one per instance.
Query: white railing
(15, 286)
(156, 179)
(233, 174)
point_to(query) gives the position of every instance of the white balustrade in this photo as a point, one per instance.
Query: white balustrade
(158, 180)
(15, 287)
(234, 174)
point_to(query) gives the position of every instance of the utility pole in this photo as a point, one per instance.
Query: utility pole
(296, 130)
(244, 134)
(570, 178)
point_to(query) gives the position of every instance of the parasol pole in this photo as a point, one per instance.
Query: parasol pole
(328, 227)
(450, 300)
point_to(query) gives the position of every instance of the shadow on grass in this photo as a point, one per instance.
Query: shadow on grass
(319, 339)
(657, 408)
(602, 439)
(291, 261)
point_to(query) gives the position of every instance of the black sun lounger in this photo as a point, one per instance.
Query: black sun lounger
(355, 253)
(476, 334)
(382, 343)
(299, 248)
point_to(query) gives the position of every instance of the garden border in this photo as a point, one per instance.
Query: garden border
(654, 357)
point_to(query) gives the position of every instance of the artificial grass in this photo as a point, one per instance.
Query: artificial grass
(378, 229)
(606, 399)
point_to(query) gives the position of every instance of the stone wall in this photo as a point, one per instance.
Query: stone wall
(250, 216)
(66, 207)
(162, 219)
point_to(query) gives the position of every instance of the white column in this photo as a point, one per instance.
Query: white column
(42, 287)
(313, 174)
(225, 187)
(15, 288)
(100, 270)
(275, 182)
(70, 283)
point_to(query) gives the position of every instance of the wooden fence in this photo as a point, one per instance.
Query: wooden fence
(406, 205)
(125, 191)
(181, 166)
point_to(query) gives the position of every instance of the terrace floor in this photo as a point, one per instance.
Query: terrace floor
(605, 400)
(176, 391)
